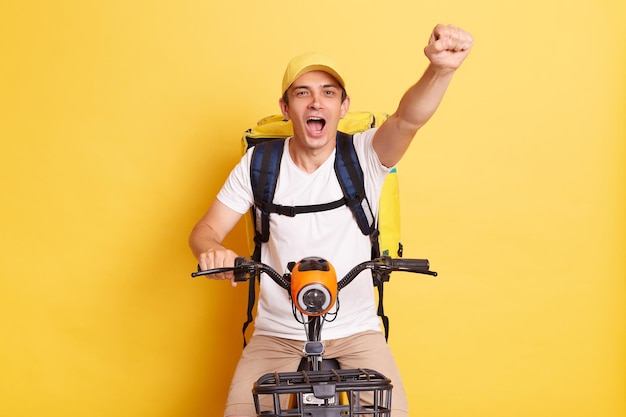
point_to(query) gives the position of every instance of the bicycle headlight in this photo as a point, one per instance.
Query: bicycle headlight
(313, 286)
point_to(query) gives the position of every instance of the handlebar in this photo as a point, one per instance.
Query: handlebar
(245, 269)
(385, 265)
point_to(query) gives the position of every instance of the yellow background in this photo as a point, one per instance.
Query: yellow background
(119, 121)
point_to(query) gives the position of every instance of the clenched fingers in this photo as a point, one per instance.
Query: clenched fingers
(218, 258)
(450, 38)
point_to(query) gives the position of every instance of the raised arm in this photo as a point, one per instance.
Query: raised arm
(447, 47)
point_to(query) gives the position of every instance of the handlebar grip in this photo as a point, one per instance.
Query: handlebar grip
(240, 260)
(241, 275)
(411, 264)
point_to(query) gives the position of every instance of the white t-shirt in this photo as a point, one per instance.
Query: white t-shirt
(333, 235)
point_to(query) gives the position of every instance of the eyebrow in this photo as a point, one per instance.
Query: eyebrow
(305, 86)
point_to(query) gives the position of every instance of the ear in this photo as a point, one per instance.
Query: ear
(345, 106)
(284, 108)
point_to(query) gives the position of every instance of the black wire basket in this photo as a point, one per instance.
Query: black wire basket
(328, 393)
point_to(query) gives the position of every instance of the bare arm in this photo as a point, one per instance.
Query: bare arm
(447, 47)
(207, 236)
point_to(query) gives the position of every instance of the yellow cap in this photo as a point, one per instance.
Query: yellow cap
(306, 63)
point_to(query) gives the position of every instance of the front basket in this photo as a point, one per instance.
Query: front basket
(331, 393)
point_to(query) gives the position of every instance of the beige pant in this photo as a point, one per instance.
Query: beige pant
(265, 354)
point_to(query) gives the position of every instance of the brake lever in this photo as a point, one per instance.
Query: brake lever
(210, 271)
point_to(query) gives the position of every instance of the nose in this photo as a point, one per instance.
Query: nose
(315, 103)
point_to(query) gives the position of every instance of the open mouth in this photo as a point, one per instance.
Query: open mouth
(316, 124)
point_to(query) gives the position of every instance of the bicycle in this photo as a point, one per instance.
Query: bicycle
(318, 389)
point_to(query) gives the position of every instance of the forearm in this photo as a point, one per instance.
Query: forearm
(416, 107)
(208, 234)
(202, 239)
(421, 101)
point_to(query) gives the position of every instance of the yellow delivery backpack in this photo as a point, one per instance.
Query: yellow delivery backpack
(382, 227)
(388, 219)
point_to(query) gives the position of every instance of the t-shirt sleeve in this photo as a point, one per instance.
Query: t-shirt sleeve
(236, 193)
(370, 163)
(374, 171)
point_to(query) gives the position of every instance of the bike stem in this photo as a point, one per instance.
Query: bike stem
(313, 347)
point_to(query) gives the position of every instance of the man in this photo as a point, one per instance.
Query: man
(314, 99)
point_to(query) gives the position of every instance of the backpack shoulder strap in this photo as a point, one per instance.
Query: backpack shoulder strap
(264, 170)
(350, 175)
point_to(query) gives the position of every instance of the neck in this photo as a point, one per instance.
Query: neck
(309, 158)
